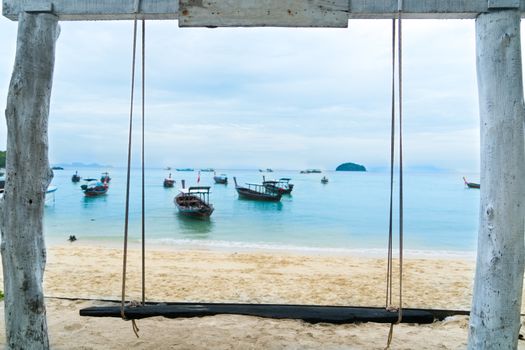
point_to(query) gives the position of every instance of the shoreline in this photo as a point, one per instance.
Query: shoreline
(263, 247)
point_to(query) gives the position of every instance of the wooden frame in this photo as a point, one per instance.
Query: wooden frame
(252, 13)
(495, 317)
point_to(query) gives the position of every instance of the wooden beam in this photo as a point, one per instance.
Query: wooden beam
(257, 13)
(244, 12)
(83, 10)
(504, 4)
(496, 304)
(27, 177)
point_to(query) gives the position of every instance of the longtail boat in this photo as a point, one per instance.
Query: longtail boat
(257, 192)
(310, 171)
(94, 188)
(221, 179)
(470, 184)
(194, 202)
(169, 182)
(75, 177)
(105, 178)
(50, 194)
(282, 186)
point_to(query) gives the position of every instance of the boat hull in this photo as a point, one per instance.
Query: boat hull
(95, 193)
(193, 206)
(169, 183)
(470, 184)
(196, 213)
(258, 196)
(220, 180)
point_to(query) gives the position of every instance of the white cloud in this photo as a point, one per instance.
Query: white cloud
(262, 97)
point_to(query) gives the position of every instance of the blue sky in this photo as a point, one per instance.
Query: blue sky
(261, 97)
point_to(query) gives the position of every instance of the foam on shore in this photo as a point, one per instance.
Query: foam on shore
(269, 247)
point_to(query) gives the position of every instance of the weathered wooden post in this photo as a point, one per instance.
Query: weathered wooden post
(28, 175)
(495, 315)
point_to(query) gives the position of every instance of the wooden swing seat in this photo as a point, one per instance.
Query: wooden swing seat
(307, 313)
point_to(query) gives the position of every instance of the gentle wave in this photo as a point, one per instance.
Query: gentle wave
(264, 246)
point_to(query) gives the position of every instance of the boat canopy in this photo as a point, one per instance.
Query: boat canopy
(195, 189)
(270, 182)
(258, 187)
(252, 184)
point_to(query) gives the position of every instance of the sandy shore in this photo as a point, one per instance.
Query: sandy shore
(192, 275)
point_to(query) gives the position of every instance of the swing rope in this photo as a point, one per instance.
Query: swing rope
(128, 178)
(389, 289)
(388, 300)
(389, 278)
(143, 173)
(126, 215)
(308, 313)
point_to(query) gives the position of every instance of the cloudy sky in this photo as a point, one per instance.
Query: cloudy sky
(261, 97)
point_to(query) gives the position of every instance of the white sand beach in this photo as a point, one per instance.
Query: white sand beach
(90, 271)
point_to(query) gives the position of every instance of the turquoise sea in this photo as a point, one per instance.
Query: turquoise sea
(350, 213)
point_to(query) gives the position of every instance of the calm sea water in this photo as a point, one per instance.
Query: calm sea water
(349, 213)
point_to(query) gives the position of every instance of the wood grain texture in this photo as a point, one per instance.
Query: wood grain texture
(302, 12)
(263, 13)
(27, 177)
(496, 305)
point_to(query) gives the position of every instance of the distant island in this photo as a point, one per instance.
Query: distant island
(350, 167)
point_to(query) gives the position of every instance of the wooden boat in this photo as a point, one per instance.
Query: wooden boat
(284, 183)
(50, 194)
(169, 182)
(324, 180)
(75, 177)
(207, 170)
(282, 186)
(194, 202)
(51, 189)
(184, 169)
(470, 184)
(221, 179)
(257, 192)
(310, 171)
(105, 178)
(94, 188)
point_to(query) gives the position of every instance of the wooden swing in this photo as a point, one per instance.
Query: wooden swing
(307, 313)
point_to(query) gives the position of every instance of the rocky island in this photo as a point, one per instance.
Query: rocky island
(350, 167)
